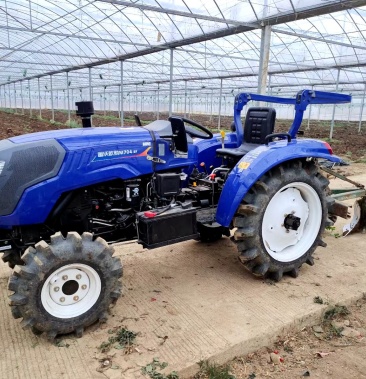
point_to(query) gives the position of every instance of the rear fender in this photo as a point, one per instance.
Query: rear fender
(256, 163)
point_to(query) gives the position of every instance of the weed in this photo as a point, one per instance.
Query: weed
(332, 229)
(213, 371)
(124, 338)
(334, 332)
(288, 349)
(331, 140)
(114, 118)
(72, 124)
(318, 300)
(334, 312)
(361, 160)
(151, 370)
(330, 315)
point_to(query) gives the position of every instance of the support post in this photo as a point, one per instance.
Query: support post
(334, 108)
(30, 100)
(211, 109)
(136, 100)
(361, 110)
(264, 58)
(15, 99)
(185, 98)
(104, 110)
(39, 99)
(122, 116)
(189, 104)
(158, 103)
(21, 96)
(220, 98)
(68, 97)
(171, 84)
(90, 86)
(349, 112)
(90, 93)
(52, 107)
(9, 96)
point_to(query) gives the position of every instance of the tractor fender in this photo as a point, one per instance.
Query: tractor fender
(259, 161)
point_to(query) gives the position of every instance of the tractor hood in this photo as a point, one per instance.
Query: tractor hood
(33, 158)
(83, 136)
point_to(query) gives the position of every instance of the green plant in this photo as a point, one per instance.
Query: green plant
(124, 338)
(332, 229)
(336, 311)
(72, 124)
(213, 371)
(151, 370)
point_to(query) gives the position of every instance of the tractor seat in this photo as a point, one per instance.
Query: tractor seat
(259, 123)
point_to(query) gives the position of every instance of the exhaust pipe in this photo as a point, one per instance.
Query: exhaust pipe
(85, 110)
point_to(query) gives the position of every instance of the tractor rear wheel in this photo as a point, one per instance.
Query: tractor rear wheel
(66, 285)
(281, 220)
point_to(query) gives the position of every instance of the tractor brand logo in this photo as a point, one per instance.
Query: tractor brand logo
(118, 154)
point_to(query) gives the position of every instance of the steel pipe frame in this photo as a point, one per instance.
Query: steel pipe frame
(301, 13)
(334, 108)
(362, 106)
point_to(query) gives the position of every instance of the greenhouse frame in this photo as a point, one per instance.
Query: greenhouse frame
(180, 56)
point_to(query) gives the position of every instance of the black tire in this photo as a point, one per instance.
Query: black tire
(12, 258)
(249, 219)
(36, 285)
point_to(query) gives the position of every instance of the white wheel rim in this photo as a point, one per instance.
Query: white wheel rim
(302, 201)
(71, 290)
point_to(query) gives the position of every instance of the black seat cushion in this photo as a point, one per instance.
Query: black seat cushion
(259, 123)
(238, 152)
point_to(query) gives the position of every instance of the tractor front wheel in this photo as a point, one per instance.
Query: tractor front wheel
(65, 285)
(281, 220)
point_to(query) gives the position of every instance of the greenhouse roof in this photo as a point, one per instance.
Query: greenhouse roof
(312, 43)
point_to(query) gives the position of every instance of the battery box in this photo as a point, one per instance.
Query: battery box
(172, 226)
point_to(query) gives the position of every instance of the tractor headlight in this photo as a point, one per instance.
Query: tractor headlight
(2, 165)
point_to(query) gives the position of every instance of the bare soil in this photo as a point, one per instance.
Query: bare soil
(346, 142)
(336, 348)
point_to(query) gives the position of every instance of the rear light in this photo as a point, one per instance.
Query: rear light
(329, 148)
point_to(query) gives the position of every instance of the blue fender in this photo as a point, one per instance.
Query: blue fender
(256, 163)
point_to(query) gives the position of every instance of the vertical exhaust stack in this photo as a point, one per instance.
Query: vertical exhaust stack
(85, 110)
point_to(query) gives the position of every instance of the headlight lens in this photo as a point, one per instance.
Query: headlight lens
(2, 165)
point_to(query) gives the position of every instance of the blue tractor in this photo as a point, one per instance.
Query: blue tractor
(68, 194)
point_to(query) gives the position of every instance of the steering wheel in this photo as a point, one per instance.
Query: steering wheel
(204, 134)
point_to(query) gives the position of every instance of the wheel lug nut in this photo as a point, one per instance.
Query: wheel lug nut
(56, 289)
(76, 298)
(64, 277)
(83, 287)
(78, 276)
(62, 299)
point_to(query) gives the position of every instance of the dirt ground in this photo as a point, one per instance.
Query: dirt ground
(346, 142)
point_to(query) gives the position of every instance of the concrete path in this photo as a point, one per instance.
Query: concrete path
(188, 302)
